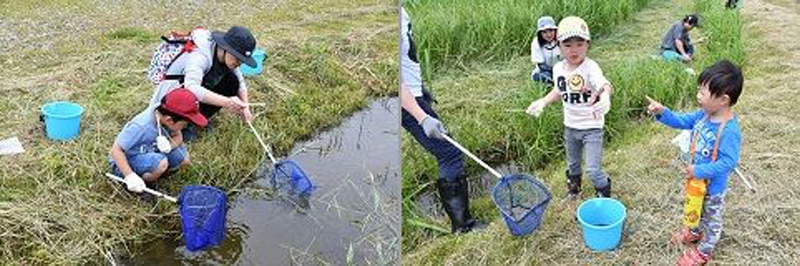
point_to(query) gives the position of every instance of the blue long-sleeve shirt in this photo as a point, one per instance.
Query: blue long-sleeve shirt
(727, 154)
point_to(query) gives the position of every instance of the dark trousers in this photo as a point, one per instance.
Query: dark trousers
(228, 86)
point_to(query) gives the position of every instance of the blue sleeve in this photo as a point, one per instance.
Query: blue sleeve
(727, 155)
(131, 134)
(679, 121)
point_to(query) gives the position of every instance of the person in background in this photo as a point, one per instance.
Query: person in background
(544, 50)
(676, 43)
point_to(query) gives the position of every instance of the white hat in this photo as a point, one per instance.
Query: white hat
(571, 27)
(546, 23)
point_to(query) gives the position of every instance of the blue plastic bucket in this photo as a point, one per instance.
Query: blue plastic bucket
(602, 220)
(62, 120)
(670, 55)
(259, 55)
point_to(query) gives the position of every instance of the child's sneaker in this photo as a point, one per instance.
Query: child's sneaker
(693, 257)
(685, 237)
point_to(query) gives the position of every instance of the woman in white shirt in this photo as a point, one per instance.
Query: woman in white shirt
(544, 50)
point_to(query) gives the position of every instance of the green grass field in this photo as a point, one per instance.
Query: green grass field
(456, 33)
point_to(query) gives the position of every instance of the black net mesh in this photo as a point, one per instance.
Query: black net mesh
(522, 201)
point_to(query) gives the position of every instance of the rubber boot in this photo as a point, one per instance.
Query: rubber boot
(573, 185)
(455, 199)
(604, 192)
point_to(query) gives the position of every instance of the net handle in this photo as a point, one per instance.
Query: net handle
(266, 148)
(148, 190)
(465, 151)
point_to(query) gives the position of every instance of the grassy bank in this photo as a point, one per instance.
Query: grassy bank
(324, 61)
(473, 107)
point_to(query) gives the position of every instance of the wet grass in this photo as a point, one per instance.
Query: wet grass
(56, 207)
(474, 106)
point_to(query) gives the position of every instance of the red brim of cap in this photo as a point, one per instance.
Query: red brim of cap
(198, 119)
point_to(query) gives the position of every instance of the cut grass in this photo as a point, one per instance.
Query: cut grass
(56, 207)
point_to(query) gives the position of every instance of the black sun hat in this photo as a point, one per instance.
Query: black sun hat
(239, 42)
(693, 20)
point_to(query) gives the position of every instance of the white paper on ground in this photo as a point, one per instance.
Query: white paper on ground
(11, 146)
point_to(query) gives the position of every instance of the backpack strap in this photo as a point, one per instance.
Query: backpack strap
(719, 135)
(178, 77)
(168, 40)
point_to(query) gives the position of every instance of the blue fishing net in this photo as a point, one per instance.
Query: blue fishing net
(287, 177)
(522, 201)
(202, 210)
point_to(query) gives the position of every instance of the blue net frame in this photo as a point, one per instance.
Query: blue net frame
(522, 201)
(203, 210)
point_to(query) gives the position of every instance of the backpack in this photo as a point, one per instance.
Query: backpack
(173, 45)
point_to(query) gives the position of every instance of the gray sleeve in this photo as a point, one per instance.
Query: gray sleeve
(677, 31)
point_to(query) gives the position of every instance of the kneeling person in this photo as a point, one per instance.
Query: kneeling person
(151, 144)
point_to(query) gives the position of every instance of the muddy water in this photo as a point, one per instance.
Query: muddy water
(352, 217)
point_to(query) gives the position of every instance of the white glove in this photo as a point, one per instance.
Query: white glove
(134, 183)
(536, 108)
(163, 144)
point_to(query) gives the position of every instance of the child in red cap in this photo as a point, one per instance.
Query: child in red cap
(152, 143)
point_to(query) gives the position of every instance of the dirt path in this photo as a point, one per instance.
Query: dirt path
(771, 135)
